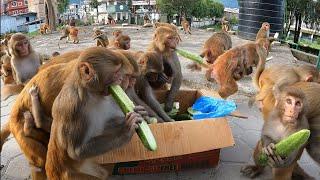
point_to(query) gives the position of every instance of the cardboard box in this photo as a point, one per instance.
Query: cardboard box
(181, 145)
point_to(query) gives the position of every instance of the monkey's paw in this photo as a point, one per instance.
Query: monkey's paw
(251, 171)
(34, 90)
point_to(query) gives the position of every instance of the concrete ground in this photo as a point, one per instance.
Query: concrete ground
(246, 132)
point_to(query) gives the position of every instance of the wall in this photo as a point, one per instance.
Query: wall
(8, 24)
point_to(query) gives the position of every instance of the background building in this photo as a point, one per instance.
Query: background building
(14, 7)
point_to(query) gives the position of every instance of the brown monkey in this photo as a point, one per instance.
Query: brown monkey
(73, 34)
(116, 33)
(235, 63)
(186, 25)
(101, 38)
(152, 76)
(88, 119)
(164, 43)
(129, 82)
(6, 70)
(44, 28)
(216, 45)
(224, 24)
(65, 33)
(171, 26)
(24, 62)
(287, 117)
(264, 31)
(63, 58)
(279, 76)
(121, 42)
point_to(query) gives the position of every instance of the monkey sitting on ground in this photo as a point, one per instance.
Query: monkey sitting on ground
(121, 42)
(264, 31)
(186, 26)
(224, 24)
(152, 77)
(85, 115)
(287, 117)
(73, 35)
(164, 43)
(279, 76)
(101, 38)
(6, 70)
(235, 63)
(44, 28)
(24, 63)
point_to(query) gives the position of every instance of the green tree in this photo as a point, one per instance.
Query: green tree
(181, 7)
(62, 6)
(95, 4)
(216, 9)
(50, 15)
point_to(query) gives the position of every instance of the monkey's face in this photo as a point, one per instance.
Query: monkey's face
(171, 42)
(292, 108)
(266, 26)
(126, 44)
(22, 48)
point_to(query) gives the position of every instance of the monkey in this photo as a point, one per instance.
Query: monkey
(277, 77)
(129, 83)
(224, 24)
(264, 31)
(6, 70)
(65, 33)
(44, 28)
(216, 45)
(288, 116)
(24, 63)
(101, 38)
(186, 26)
(152, 76)
(54, 54)
(24, 60)
(121, 42)
(236, 62)
(165, 41)
(83, 108)
(171, 26)
(146, 19)
(116, 33)
(73, 35)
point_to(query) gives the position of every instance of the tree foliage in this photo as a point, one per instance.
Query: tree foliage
(62, 6)
(95, 4)
(196, 8)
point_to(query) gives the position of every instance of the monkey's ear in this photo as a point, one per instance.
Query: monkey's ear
(309, 78)
(86, 71)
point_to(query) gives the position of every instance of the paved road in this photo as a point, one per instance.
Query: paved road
(246, 132)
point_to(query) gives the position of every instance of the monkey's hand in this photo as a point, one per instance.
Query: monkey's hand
(34, 91)
(275, 161)
(194, 67)
(132, 121)
(168, 106)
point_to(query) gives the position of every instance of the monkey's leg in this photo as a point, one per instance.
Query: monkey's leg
(35, 152)
(30, 131)
(5, 132)
(254, 170)
(92, 169)
(64, 36)
(40, 120)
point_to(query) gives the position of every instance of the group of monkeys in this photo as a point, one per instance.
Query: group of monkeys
(64, 115)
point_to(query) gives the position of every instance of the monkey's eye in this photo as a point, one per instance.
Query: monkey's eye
(289, 101)
(298, 103)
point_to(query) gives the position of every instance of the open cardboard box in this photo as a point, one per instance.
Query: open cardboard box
(181, 144)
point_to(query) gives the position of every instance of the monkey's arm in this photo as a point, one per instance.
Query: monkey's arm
(153, 102)
(175, 85)
(103, 143)
(134, 97)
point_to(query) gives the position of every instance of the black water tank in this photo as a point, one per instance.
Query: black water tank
(252, 13)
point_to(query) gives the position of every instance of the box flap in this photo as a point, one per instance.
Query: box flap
(175, 138)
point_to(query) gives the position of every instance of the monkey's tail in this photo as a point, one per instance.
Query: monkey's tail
(260, 67)
(5, 132)
(10, 90)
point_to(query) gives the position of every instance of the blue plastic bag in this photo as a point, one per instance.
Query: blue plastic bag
(209, 107)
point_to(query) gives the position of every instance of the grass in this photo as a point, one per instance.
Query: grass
(32, 34)
(306, 43)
